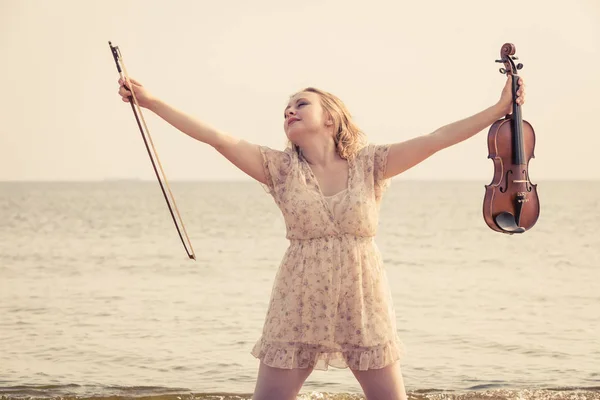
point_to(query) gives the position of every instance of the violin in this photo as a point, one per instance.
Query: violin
(511, 204)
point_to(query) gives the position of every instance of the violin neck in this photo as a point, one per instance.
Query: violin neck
(517, 121)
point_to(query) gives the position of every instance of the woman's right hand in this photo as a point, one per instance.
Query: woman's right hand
(142, 95)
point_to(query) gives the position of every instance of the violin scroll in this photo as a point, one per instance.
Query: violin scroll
(507, 58)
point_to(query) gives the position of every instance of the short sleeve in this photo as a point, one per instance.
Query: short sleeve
(379, 154)
(276, 166)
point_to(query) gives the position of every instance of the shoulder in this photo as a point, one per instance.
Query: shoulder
(278, 158)
(287, 153)
(370, 151)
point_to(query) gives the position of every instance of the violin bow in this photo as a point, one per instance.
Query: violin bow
(118, 56)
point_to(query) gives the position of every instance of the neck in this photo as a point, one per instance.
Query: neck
(320, 154)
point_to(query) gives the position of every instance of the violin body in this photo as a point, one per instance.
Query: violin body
(511, 204)
(511, 190)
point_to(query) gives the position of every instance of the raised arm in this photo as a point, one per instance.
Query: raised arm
(405, 155)
(244, 155)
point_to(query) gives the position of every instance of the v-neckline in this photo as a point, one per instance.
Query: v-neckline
(322, 197)
(318, 185)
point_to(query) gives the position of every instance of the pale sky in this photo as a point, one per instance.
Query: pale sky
(403, 68)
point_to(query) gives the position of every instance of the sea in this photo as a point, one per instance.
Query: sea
(98, 299)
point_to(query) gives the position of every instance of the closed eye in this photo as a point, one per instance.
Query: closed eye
(299, 105)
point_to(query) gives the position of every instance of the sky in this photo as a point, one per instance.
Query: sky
(403, 68)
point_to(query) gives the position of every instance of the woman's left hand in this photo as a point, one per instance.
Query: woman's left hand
(505, 101)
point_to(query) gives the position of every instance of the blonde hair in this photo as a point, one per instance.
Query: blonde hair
(348, 138)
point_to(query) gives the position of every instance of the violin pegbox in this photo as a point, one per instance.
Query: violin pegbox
(507, 57)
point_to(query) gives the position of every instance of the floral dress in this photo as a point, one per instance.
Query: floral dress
(330, 304)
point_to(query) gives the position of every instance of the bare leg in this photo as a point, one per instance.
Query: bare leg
(382, 384)
(279, 384)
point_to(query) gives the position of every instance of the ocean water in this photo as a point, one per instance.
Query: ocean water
(98, 298)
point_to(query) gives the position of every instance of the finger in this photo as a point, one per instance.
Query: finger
(125, 99)
(134, 81)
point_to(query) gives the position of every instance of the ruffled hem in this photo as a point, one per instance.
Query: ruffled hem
(288, 355)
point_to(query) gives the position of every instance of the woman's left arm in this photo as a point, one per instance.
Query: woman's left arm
(405, 155)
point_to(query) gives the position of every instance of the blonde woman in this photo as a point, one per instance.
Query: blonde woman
(330, 303)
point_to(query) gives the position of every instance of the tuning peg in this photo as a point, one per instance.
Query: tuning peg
(514, 57)
(519, 66)
(500, 61)
(502, 71)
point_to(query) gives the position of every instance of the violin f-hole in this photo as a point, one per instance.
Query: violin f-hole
(503, 190)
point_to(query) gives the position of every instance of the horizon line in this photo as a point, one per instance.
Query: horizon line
(140, 180)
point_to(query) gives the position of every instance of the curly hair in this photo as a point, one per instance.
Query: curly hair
(348, 138)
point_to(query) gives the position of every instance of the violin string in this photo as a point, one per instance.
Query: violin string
(192, 254)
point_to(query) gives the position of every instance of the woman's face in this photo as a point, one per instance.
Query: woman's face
(303, 115)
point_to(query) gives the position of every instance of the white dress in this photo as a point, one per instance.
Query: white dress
(331, 303)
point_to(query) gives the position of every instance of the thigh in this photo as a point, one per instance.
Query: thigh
(279, 384)
(382, 384)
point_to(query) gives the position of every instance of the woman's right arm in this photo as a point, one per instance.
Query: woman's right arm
(244, 155)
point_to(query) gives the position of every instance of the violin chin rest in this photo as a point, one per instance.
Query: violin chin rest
(506, 221)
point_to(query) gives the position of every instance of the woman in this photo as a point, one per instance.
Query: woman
(330, 304)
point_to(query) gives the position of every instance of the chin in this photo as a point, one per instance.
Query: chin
(292, 136)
